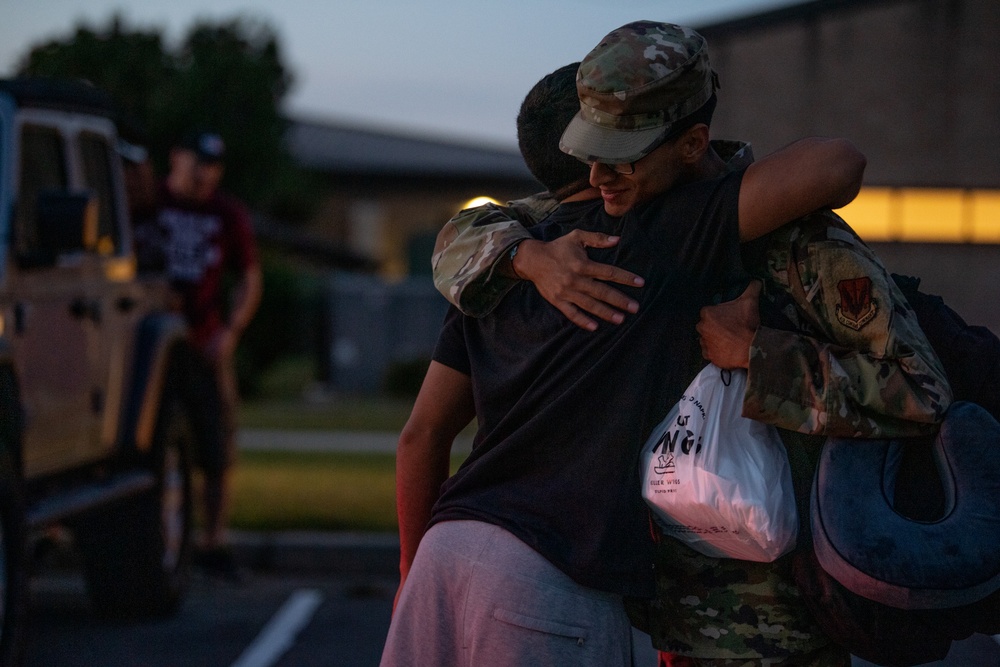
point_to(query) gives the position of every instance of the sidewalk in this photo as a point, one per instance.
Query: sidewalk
(328, 441)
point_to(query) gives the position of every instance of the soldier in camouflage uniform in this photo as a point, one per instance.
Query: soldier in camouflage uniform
(839, 353)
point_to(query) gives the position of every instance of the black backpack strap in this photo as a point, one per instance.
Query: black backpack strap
(970, 354)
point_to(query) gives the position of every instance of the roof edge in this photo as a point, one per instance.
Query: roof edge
(59, 94)
(799, 12)
(396, 132)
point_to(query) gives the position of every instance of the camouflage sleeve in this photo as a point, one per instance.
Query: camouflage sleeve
(470, 245)
(859, 365)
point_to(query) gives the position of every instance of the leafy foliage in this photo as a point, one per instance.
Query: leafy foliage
(287, 322)
(227, 76)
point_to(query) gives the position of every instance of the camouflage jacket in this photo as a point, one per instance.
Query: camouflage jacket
(839, 352)
(470, 246)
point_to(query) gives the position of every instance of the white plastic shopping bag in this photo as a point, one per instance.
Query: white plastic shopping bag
(716, 480)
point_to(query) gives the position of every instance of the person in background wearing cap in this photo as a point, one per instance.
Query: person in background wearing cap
(205, 234)
(891, 384)
(530, 547)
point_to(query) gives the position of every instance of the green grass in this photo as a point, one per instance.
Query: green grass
(315, 491)
(275, 491)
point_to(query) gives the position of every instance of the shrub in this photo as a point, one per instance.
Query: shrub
(403, 378)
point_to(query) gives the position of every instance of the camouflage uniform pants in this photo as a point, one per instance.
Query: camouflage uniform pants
(830, 656)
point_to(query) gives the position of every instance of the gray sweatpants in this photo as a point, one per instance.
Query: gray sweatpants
(476, 595)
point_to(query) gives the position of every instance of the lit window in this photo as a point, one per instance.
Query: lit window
(869, 214)
(928, 215)
(986, 217)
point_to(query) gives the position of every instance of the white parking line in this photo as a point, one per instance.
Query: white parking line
(280, 632)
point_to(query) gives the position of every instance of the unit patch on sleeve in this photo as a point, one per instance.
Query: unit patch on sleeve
(856, 307)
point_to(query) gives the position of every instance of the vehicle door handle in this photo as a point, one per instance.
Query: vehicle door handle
(125, 303)
(78, 308)
(19, 317)
(81, 308)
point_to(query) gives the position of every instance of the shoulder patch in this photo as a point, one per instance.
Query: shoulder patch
(856, 307)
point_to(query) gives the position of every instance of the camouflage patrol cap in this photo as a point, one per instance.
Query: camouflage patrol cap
(633, 87)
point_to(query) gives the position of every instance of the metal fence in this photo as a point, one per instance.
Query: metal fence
(372, 325)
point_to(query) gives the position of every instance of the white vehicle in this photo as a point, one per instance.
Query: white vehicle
(94, 428)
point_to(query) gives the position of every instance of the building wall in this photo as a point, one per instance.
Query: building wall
(385, 219)
(964, 275)
(915, 84)
(373, 327)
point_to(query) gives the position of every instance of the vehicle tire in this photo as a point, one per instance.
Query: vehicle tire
(137, 552)
(13, 564)
(13, 534)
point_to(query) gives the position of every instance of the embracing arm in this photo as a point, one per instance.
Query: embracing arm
(807, 175)
(443, 407)
(841, 391)
(859, 365)
(473, 270)
(469, 249)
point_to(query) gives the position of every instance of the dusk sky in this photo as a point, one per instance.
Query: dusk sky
(442, 68)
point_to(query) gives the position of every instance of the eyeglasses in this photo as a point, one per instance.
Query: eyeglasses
(623, 168)
(628, 168)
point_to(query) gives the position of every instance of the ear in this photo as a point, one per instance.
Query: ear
(694, 143)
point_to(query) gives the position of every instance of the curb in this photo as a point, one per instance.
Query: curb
(348, 553)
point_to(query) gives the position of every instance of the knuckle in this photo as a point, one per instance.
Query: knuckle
(613, 297)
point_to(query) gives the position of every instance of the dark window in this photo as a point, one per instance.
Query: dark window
(43, 168)
(97, 175)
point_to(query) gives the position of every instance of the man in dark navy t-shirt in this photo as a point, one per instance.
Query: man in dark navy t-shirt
(536, 538)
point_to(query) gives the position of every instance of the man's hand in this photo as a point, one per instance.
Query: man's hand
(572, 282)
(726, 331)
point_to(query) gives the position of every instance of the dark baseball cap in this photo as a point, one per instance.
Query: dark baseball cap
(208, 146)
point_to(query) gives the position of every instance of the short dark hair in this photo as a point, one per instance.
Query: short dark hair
(702, 114)
(544, 114)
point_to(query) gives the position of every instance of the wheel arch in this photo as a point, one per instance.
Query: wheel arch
(14, 578)
(161, 342)
(11, 410)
